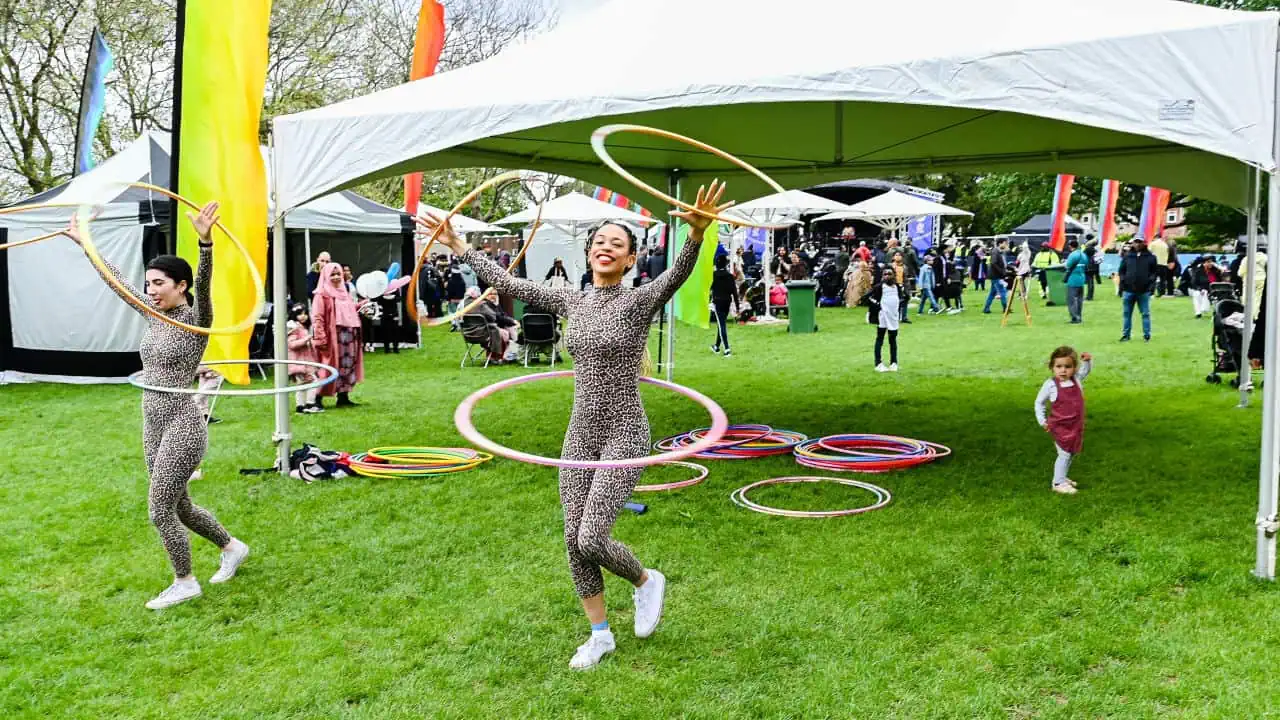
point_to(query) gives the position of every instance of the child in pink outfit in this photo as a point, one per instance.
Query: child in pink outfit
(300, 348)
(1065, 419)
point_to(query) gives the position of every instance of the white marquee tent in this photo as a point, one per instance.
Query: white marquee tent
(1163, 92)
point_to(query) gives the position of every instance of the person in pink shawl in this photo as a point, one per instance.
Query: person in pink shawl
(335, 329)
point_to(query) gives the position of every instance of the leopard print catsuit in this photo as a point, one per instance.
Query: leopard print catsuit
(174, 436)
(608, 329)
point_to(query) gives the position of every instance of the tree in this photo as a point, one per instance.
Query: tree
(37, 88)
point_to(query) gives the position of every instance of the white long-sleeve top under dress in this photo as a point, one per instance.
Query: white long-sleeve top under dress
(1049, 391)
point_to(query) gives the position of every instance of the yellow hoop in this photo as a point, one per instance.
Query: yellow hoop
(26, 208)
(537, 223)
(597, 144)
(255, 277)
(412, 304)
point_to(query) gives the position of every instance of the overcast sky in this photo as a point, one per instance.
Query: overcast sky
(569, 8)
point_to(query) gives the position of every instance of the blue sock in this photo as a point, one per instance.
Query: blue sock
(602, 626)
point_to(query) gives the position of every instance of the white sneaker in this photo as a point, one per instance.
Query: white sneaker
(881, 368)
(179, 592)
(1065, 488)
(232, 556)
(592, 651)
(649, 599)
(893, 367)
(197, 474)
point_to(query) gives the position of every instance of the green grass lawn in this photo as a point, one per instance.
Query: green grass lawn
(977, 593)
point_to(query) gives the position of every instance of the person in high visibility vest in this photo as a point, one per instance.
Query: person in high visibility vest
(1045, 259)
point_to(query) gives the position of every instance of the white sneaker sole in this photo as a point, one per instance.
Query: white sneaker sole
(662, 602)
(157, 604)
(581, 668)
(219, 578)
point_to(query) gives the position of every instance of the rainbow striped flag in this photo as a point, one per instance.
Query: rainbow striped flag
(93, 100)
(1107, 213)
(1155, 202)
(1061, 204)
(218, 101)
(427, 46)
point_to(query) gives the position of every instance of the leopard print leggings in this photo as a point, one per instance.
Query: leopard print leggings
(608, 330)
(174, 433)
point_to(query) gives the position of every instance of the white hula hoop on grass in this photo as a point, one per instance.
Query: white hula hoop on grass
(136, 381)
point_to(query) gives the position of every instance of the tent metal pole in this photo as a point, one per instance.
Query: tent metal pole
(306, 244)
(1269, 470)
(282, 437)
(1250, 302)
(671, 306)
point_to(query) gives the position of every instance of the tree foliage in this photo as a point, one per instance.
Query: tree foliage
(320, 52)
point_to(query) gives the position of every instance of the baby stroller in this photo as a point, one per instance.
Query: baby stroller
(1227, 341)
(1222, 291)
(830, 286)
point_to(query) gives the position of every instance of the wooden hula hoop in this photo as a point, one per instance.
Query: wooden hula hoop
(490, 292)
(470, 198)
(598, 145)
(26, 208)
(92, 252)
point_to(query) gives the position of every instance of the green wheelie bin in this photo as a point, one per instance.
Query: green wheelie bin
(802, 306)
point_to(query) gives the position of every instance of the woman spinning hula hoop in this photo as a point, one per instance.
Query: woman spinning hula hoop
(174, 436)
(608, 329)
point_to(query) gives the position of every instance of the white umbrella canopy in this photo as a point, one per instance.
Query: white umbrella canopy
(894, 204)
(576, 208)
(784, 207)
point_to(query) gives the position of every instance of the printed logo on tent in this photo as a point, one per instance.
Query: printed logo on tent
(1177, 110)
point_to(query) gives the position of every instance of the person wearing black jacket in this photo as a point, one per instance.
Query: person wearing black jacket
(724, 291)
(996, 271)
(1092, 271)
(1139, 273)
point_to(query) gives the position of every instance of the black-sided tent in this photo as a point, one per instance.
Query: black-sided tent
(1037, 230)
(60, 323)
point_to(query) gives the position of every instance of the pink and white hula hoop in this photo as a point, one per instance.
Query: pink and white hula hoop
(462, 418)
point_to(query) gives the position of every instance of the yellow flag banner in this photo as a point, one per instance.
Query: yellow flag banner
(691, 298)
(223, 75)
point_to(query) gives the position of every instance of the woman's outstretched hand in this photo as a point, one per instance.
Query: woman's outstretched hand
(709, 202)
(204, 221)
(427, 227)
(72, 230)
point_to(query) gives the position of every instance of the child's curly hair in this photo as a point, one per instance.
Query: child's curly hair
(1063, 352)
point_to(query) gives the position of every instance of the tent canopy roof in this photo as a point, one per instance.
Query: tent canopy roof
(1163, 92)
(575, 207)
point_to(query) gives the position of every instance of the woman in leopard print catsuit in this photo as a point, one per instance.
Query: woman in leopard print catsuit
(174, 435)
(608, 330)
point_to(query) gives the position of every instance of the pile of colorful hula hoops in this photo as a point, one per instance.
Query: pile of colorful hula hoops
(411, 462)
(867, 453)
(741, 442)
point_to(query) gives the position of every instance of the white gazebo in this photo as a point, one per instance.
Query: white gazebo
(982, 85)
(564, 219)
(893, 210)
(782, 208)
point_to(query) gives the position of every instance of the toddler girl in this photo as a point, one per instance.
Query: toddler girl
(1065, 420)
(300, 348)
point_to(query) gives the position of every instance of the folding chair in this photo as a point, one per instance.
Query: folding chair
(260, 342)
(475, 336)
(540, 336)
